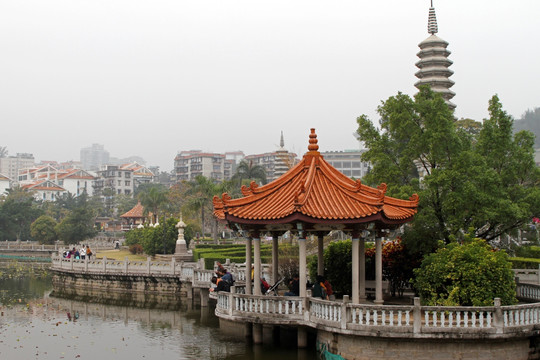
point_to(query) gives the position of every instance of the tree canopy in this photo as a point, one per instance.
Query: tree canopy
(486, 181)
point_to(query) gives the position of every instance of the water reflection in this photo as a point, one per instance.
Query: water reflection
(42, 326)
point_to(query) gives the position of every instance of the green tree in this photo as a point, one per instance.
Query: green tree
(152, 198)
(42, 230)
(487, 182)
(468, 274)
(18, 210)
(199, 197)
(246, 170)
(78, 225)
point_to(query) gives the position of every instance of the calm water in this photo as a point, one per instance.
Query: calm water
(36, 325)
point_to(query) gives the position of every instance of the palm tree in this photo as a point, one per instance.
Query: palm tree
(200, 194)
(248, 170)
(152, 200)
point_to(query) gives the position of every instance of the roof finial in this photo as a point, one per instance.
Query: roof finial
(432, 20)
(281, 141)
(313, 141)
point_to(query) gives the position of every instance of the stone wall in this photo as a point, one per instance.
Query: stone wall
(139, 290)
(368, 348)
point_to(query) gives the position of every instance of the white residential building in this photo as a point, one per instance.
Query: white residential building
(10, 166)
(5, 183)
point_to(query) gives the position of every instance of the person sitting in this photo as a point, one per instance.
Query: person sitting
(294, 286)
(329, 290)
(319, 290)
(264, 286)
(221, 285)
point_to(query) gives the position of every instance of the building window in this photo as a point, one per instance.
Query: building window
(128, 175)
(127, 191)
(127, 183)
(119, 182)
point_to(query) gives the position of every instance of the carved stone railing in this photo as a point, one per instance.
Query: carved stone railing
(391, 320)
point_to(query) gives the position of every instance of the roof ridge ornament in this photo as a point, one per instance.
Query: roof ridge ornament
(432, 21)
(313, 146)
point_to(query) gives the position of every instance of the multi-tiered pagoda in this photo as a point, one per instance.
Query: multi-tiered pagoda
(434, 63)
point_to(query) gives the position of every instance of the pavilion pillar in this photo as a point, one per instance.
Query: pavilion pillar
(275, 258)
(362, 269)
(320, 254)
(248, 265)
(378, 271)
(257, 264)
(355, 269)
(302, 264)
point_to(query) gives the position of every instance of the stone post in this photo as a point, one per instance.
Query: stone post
(302, 335)
(345, 315)
(104, 263)
(498, 321)
(320, 254)
(257, 269)
(362, 270)
(205, 293)
(248, 266)
(71, 263)
(148, 264)
(378, 272)
(126, 264)
(275, 257)
(173, 266)
(231, 301)
(417, 316)
(85, 263)
(257, 332)
(355, 269)
(302, 268)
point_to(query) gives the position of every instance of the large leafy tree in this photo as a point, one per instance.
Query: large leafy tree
(468, 273)
(43, 231)
(487, 182)
(17, 211)
(78, 225)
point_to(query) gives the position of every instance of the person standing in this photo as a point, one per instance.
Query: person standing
(82, 252)
(88, 252)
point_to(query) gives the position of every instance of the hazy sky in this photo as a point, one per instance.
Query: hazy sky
(150, 78)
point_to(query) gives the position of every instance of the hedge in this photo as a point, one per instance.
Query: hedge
(524, 263)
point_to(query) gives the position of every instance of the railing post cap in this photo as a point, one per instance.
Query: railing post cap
(497, 301)
(346, 298)
(416, 301)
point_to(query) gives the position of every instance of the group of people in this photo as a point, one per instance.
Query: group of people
(83, 253)
(321, 288)
(223, 279)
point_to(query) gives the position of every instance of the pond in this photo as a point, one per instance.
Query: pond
(36, 325)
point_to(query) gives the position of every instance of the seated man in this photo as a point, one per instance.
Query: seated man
(294, 286)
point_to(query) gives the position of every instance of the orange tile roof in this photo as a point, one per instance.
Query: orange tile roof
(136, 212)
(313, 191)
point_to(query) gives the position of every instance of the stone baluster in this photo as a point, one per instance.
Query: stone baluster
(126, 264)
(104, 264)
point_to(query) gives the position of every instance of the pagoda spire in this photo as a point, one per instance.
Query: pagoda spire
(432, 20)
(281, 141)
(434, 63)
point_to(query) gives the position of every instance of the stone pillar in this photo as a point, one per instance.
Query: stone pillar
(302, 336)
(302, 265)
(498, 321)
(248, 266)
(378, 271)
(257, 268)
(320, 254)
(257, 332)
(417, 316)
(362, 270)
(275, 258)
(205, 293)
(355, 269)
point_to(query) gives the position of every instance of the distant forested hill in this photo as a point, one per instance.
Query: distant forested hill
(530, 121)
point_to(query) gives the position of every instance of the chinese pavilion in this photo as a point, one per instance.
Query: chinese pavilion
(313, 198)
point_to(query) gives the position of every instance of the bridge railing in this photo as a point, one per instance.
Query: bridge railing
(415, 320)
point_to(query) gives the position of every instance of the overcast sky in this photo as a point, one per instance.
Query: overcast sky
(150, 78)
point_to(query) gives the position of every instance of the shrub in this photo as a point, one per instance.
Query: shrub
(469, 274)
(136, 249)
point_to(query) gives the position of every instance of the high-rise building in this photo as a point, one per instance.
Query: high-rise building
(434, 63)
(93, 157)
(10, 166)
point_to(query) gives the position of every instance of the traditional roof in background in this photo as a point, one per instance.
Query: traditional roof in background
(136, 212)
(314, 192)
